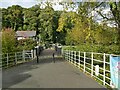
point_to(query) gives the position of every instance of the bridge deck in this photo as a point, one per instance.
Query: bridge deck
(47, 74)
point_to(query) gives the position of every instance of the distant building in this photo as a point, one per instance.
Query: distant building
(26, 34)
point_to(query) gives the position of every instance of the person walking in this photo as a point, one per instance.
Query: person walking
(54, 57)
(55, 47)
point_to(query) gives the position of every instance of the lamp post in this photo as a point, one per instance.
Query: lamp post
(37, 53)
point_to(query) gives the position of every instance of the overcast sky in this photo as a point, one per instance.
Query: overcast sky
(24, 3)
(30, 3)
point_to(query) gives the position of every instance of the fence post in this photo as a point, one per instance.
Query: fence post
(104, 69)
(15, 58)
(92, 64)
(79, 59)
(84, 60)
(7, 60)
(65, 54)
(75, 57)
(23, 55)
(32, 54)
(69, 55)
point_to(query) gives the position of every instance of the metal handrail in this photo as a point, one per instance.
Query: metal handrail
(15, 58)
(102, 59)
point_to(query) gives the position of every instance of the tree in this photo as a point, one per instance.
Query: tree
(46, 23)
(6, 23)
(114, 15)
(8, 41)
(15, 17)
(26, 44)
(31, 20)
(56, 35)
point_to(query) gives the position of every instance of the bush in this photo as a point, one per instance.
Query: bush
(111, 49)
(26, 44)
(8, 41)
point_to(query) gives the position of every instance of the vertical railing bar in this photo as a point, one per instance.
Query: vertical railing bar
(23, 55)
(72, 57)
(92, 64)
(65, 54)
(79, 59)
(15, 58)
(75, 58)
(104, 69)
(69, 55)
(84, 60)
(32, 54)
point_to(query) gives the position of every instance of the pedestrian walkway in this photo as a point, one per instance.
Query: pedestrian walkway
(47, 74)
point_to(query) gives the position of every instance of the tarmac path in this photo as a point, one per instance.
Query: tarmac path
(47, 74)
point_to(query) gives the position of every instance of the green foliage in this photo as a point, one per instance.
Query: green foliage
(26, 44)
(12, 17)
(111, 49)
(46, 23)
(43, 20)
(66, 27)
(8, 41)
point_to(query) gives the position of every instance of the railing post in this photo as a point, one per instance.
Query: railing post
(75, 57)
(15, 58)
(69, 55)
(23, 55)
(72, 57)
(104, 69)
(79, 59)
(7, 60)
(32, 54)
(65, 54)
(84, 60)
(92, 64)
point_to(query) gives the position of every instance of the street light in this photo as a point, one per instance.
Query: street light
(37, 53)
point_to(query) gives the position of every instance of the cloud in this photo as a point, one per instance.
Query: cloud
(23, 3)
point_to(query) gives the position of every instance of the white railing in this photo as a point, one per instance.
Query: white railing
(97, 65)
(14, 58)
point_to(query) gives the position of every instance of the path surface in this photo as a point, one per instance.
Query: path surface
(47, 74)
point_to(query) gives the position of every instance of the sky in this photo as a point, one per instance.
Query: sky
(30, 3)
(24, 3)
